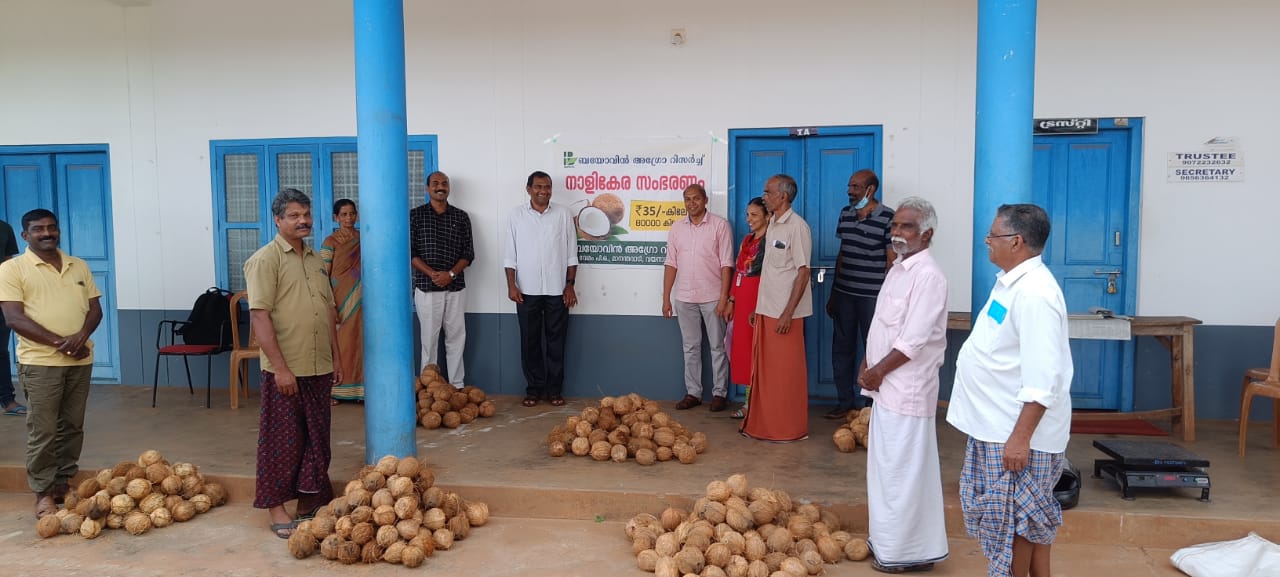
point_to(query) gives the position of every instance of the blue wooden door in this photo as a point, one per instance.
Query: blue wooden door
(76, 187)
(821, 163)
(1083, 181)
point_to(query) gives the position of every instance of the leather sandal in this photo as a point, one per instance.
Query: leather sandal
(529, 401)
(556, 400)
(688, 402)
(45, 505)
(718, 404)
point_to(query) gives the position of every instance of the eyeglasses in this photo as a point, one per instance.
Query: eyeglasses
(991, 236)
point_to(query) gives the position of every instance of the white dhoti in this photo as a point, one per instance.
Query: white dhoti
(907, 523)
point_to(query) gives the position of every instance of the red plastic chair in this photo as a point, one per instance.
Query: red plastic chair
(168, 345)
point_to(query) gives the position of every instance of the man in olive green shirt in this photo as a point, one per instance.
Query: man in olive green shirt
(291, 310)
(51, 301)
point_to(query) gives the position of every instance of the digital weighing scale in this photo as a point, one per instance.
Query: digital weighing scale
(1151, 464)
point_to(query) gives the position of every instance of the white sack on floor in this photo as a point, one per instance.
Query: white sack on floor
(1250, 556)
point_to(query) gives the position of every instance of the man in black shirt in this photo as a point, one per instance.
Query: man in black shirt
(442, 248)
(8, 401)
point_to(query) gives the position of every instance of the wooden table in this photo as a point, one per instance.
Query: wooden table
(1178, 336)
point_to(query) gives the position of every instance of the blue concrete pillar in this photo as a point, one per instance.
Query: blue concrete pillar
(382, 143)
(1002, 145)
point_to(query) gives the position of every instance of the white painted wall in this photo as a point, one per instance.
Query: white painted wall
(494, 78)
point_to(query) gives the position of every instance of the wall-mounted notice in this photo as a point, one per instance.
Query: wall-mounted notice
(625, 196)
(1219, 161)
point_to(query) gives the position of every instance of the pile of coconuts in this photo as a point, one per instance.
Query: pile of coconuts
(853, 432)
(391, 512)
(739, 531)
(627, 427)
(442, 405)
(134, 496)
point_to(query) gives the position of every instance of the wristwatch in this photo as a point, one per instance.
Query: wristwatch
(451, 275)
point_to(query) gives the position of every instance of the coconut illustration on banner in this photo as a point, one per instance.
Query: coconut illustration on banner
(599, 218)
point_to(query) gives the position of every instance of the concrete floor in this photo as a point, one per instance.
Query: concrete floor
(545, 508)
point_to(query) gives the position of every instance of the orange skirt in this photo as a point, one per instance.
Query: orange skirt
(779, 409)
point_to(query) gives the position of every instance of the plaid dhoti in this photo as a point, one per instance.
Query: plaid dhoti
(999, 504)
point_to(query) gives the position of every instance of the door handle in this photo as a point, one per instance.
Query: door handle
(1100, 272)
(822, 272)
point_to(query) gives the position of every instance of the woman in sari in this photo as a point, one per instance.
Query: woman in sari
(341, 255)
(742, 297)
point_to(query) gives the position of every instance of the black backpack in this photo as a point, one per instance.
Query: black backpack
(210, 320)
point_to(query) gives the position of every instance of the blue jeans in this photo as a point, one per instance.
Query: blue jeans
(6, 373)
(851, 323)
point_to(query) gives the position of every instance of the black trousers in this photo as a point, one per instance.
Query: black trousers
(544, 324)
(851, 324)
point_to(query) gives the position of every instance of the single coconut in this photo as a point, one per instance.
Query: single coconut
(756, 548)
(171, 501)
(666, 567)
(95, 507)
(329, 547)
(647, 560)
(598, 435)
(667, 544)
(600, 450)
(387, 535)
(592, 223)
(699, 442)
(794, 567)
(409, 467)
(451, 420)
(800, 527)
(813, 561)
(672, 517)
(611, 205)
(664, 453)
(161, 518)
(382, 498)
(90, 528)
(460, 527)
(156, 472)
(384, 515)
(718, 554)
(339, 506)
(774, 561)
(690, 560)
(400, 486)
(88, 487)
(362, 533)
(434, 519)
(430, 420)
(184, 511)
(856, 549)
(758, 568)
(412, 557)
(618, 453)
(477, 513)
(387, 465)
(556, 449)
(360, 498)
(103, 477)
(646, 456)
(643, 541)
(138, 489)
(348, 552)
(48, 526)
(115, 521)
(718, 491)
(408, 528)
(116, 486)
(122, 468)
(71, 523)
(737, 485)
(829, 549)
(371, 552)
(488, 409)
(184, 469)
(710, 570)
(697, 540)
(737, 567)
(469, 413)
(844, 440)
(458, 400)
(443, 538)
(322, 526)
(122, 504)
(406, 506)
(372, 481)
(151, 503)
(302, 544)
(394, 552)
(149, 457)
(171, 485)
(192, 486)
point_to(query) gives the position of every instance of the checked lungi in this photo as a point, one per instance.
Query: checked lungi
(999, 504)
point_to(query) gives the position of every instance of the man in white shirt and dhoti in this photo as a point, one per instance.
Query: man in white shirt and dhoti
(905, 348)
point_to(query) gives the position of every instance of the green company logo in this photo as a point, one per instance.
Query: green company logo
(569, 159)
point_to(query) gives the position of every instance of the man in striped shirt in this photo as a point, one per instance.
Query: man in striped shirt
(864, 248)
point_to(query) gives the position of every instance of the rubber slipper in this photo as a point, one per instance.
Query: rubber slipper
(284, 530)
(309, 514)
(530, 401)
(45, 506)
(557, 401)
(16, 411)
(740, 413)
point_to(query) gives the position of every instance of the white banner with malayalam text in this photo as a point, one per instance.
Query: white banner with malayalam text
(624, 196)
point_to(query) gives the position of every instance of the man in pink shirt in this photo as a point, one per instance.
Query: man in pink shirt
(699, 264)
(905, 348)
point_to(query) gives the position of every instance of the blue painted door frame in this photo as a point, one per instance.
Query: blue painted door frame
(74, 181)
(821, 160)
(1090, 186)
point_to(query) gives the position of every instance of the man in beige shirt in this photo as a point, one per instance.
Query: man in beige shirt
(779, 377)
(51, 301)
(292, 312)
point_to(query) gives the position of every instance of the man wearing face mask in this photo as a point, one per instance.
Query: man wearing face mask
(863, 229)
(905, 348)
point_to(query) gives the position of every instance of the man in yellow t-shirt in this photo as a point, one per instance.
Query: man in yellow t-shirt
(49, 299)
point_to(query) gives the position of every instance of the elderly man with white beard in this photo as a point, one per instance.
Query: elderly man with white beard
(905, 348)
